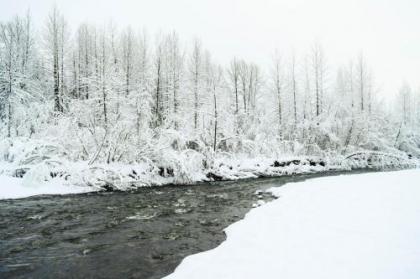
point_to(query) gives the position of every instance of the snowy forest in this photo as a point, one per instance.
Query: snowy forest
(111, 106)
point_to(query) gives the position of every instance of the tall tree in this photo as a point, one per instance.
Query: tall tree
(195, 72)
(55, 26)
(234, 78)
(128, 58)
(175, 72)
(361, 78)
(277, 78)
(159, 72)
(294, 86)
(318, 67)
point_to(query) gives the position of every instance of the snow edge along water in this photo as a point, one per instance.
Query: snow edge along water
(43, 178)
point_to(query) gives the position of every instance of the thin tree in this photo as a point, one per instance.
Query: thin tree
(53, 28)
(361, 72)
(195, 71)
(294, 86)
(318, 67)
(278, 81)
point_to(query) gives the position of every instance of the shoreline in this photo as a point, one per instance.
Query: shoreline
(55, 188)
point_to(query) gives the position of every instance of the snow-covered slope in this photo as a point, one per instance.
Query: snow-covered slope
(356, 226)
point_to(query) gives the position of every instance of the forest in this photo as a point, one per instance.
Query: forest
(114, 107)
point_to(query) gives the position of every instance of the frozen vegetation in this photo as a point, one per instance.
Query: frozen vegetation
(112, 108)
(353, 226)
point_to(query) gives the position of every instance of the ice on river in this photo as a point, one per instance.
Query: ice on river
(352, 226)
(13, 188)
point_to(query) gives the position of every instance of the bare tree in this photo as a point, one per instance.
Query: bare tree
(55, 24)
(405, 100)
(277, 77)
(234, 81)
(244, 78)
(176, 68)
(158, 111)
(254, 84)
(318, 67)
(294, 86)
(143, 99)
(128, 58)
(195, 72)
(104, 58)
(361, 76)
(216, 80)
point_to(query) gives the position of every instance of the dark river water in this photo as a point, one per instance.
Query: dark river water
(141, 234)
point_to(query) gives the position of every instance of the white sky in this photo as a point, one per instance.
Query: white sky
(386, 30)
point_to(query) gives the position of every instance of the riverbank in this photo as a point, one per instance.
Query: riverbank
(20, 181)
(44, 181)
(31, 167)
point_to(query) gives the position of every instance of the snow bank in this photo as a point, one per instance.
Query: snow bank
(39, 162)
(13, 188)
(355, 226)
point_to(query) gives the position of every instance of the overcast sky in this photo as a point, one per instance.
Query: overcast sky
(386, 30)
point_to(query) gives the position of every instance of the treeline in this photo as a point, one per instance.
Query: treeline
(113, 94)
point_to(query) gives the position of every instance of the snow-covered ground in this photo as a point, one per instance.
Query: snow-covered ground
(353, 226)
(14, 188)
(46, 164)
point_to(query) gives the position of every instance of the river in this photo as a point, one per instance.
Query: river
(142, 234)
